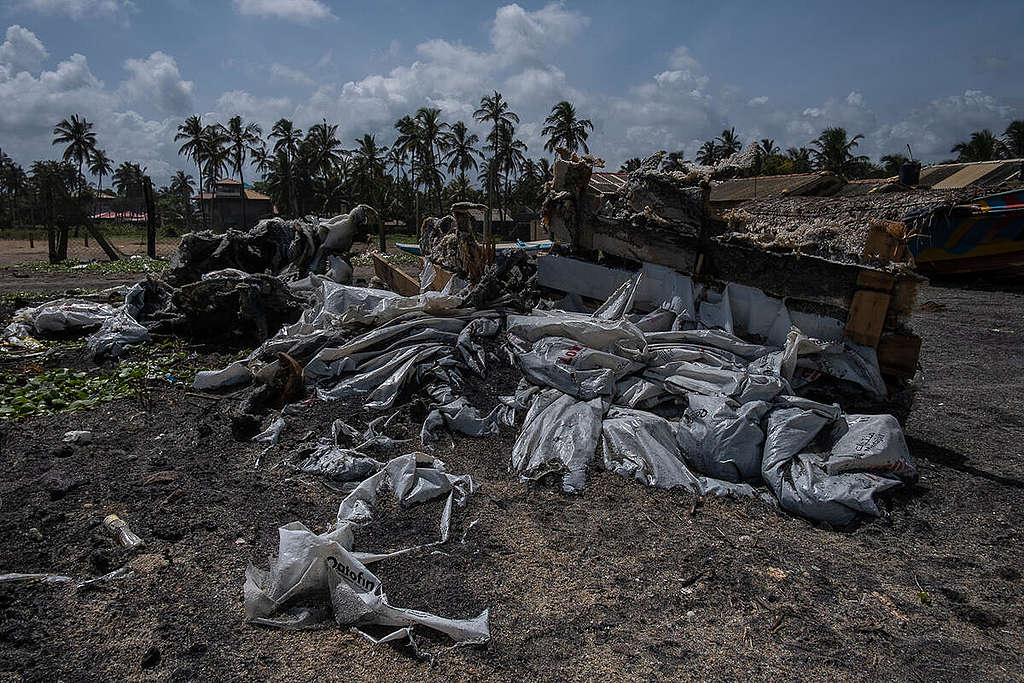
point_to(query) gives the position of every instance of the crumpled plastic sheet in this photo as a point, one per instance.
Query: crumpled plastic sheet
(828, 466)
(646, 447)
(310, 567)
(559, 435)
(459, 416)
(680, 405)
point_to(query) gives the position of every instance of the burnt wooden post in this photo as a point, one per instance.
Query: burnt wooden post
(147, 189)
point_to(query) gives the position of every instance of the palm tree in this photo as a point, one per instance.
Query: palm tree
(241, 138)
(509, 155)
(544, 169)
(630, 165)
(77, 134)
(493, 109)
(181, 185)
(213, 153)
(835, 152)
(434, 139)
(707, 155)
(409, 141)
(100, 165)
(565, 130)
(323, 148)
(462, 154)
(1013, 140)
(893, 162)
(191, 131)
(801, 158)
(261, 160)
(983, 146)
(287, 138)
(728, 143)
(369, 165)
(767, 148)
(673, 161)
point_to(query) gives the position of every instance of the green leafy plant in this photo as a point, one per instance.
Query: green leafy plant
(61, 389)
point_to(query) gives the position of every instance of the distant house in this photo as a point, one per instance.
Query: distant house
(223, 206)
(502, 222)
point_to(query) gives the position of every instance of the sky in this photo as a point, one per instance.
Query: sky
(650, 74)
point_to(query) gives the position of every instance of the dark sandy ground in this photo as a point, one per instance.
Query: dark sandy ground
(623, 581)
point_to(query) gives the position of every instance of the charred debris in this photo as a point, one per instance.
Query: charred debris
(656, 339)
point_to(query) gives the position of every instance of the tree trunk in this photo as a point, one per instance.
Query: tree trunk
(202, 209)
(147, 190)
(416, 194)
(241, 179)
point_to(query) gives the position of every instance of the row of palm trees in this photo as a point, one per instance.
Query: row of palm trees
(833, 150)
(984, 145)
(429, 163)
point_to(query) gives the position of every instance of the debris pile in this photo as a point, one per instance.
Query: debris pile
(674, 368)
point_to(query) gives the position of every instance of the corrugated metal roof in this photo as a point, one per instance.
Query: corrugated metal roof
(794, 184)
(979, 173)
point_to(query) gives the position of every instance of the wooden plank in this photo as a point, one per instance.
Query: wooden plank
(396, 280)
(877, 280)
(867, 317)
(106, 246)
(441, 278)
(898, 355)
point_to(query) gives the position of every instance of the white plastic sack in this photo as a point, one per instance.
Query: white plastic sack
(839, 479)
(722, 438)
(559, 435)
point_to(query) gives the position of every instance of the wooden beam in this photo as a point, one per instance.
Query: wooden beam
(877, 280)
(106, 246)
(397, 280)
(867, 317)
(898, 355)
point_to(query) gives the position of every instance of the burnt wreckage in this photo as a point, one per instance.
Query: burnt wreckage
(655, 340)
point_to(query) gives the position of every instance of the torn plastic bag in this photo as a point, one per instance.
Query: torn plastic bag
(559, 434)
(870, 455)
(620, 302)
(722, 438)
(643, 446)
(62, 315)
(618, 337)
(412, 478)
(310, 567)
(116, 333)
(841, 360)
(459, 416)
(574, 369)
(637, 392)
(339, 464)
(472, 353)
(235, 374)
(334, 361)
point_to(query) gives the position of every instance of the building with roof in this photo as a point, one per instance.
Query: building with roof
(224, 208)
(971, 174)
(730, 193)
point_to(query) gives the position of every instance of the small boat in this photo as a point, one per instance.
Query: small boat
(537, 245)
(983, 237)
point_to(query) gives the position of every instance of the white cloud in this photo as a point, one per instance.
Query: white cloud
(157, 81)
(286, 74)
(682, 59)
(300, 11)
(77, 9)
(22, 51)
(757, 101)
(519, 34)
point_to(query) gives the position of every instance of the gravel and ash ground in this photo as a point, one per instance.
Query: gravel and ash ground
(623, 581)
